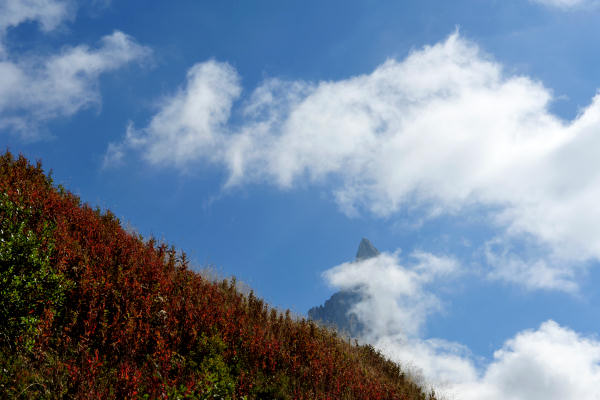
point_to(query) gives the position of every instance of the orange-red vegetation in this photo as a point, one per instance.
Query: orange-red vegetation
(92, 311)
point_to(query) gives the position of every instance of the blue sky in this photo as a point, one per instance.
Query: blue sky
(268, 138)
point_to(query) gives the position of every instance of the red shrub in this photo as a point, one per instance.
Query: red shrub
(139, 322)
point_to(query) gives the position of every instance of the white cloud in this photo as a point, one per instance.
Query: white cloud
(33, 90)
(564, 4)
(552, 362)
(549, 363)
(531, 272)
(431, 362)
(396, 301)
(190, 123)
(442, 130)
(394, 295)
(49, 13)
(36, 88)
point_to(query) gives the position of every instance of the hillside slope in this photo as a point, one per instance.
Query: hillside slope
(91, 311)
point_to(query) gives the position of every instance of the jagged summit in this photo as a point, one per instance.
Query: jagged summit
(338, 309)
(366, 250)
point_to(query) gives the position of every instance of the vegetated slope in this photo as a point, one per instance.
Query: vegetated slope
(88, 310)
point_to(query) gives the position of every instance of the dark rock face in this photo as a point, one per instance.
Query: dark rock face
(336, 311)
(366, 250)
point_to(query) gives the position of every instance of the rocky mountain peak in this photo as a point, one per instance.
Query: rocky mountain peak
(366, 250)
(338, 310)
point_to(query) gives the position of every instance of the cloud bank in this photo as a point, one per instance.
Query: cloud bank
(34, 89)
(443, 130)
(551, 362)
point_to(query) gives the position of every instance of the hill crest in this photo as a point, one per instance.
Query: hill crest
(93, 312)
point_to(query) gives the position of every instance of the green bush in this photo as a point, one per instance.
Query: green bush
(218, 382)
(28, 283)
(217, 379)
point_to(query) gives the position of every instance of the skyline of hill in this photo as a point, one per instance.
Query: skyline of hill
(93, 311)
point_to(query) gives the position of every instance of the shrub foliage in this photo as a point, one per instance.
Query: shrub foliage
(91, 311)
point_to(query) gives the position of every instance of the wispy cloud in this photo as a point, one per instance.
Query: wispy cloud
(395, 298)
(39, 89)
(36, 88)
(190, 124)
(49, 13)
(533, 272)
(564, 4)
(551, 362)
(444, 129)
